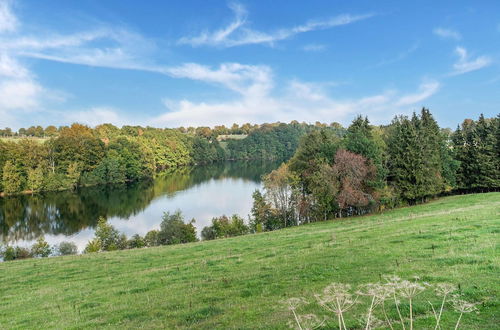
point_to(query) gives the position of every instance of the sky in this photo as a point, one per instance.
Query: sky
(206, 63)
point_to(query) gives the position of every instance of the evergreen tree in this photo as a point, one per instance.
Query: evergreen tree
(404, 162)
(431, 143)
(488, 176)
(359, 140)
(476, 147)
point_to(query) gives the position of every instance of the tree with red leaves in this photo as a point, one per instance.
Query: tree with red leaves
(353, 173)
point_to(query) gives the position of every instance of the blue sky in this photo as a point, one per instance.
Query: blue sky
(191, 63)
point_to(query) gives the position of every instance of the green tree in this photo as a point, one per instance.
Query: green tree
(225, 227)
(263, 218)
(136, 242)
(35, 179)
(41, 248)
(13, 181)
(109, 238)
(360, 140)
(73, 175)
(151, 238)
(173, 230)
(93, 246)
(66, 249)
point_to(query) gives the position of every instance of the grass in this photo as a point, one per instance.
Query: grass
(40, 140)
(241, 282)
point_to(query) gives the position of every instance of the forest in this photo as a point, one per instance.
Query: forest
(53, 159)
(372, 168)
(406, 161)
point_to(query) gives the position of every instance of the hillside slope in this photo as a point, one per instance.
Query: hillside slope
(241, 282)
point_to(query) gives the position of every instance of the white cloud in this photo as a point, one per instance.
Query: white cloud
(314, 48)
(237, 33)
(11, 68)
(95, 116)
(8, 22)
(19, 94)
(118, 48)
(465, 64)
(425, 90)
(447, 33)
(297, 101)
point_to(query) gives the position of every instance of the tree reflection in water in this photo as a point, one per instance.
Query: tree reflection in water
(27, 217)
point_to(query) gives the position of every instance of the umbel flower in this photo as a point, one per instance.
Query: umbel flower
(337, 298)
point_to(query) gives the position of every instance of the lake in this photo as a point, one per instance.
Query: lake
(200, 192)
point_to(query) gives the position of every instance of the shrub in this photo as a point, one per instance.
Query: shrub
(67, 248)
(225, 227)
(173, 230)
(93, 246)
(41, 248)
(9, 253)
(208, 233)
(110, 239)
(136, 242)
(151, 238)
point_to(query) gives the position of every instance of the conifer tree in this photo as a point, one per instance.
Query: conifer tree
(431, 143)
(359, 140)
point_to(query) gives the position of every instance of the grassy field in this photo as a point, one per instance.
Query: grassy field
(240, 283)
(18, 139)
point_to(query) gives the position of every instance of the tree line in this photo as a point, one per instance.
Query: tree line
(173, 230)
(78, 155)
(371, 168)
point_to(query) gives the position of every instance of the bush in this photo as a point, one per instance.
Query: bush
(136, 242)
(93, 246)
(225, 227)
(208, 233)
(173, 230)
(110, 239)
(10, 253)
(151, 238)
(41, 248)
(67, 248)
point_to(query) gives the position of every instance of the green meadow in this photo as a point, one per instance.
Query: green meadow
(242, 282)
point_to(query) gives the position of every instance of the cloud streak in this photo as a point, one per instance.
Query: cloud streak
(466, 64)
(257, 99)
(447, 33)
(237, 32)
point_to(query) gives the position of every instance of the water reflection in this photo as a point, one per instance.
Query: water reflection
(200, 192)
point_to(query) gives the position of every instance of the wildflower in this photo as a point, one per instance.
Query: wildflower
(337, 298)
(462, 307)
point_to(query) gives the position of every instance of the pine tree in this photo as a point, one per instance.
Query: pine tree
(431, 143)
(485, 143)
(477, 148)
(406, 163)
(359, 140)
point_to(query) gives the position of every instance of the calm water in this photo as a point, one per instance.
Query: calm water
(201, 193)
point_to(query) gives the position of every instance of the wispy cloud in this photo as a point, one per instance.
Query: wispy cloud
(314, 48)
(466, 64)
(447, 33)
(258, 100)
(425, 90)
(8, 22)
(399, 57)
(237, 32)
